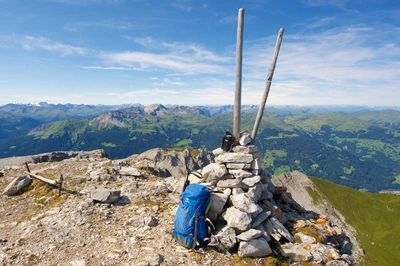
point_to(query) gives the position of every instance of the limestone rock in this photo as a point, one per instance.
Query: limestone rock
(281, 229)
(238, 165)
(232, 183)
(130, 171)
(245, 149)
(218, 201)
(295, 252)
(105, 195)
(251, 181)
(244, 203)
(79, 263)
(224, 239)
(259, 219)
(17, 185)
(219, 169)
(244, 140)
(237, 219)
(234, 158)
(249, 235)
(255, 192)
(255, 248)
(240, 174)
(305, 238)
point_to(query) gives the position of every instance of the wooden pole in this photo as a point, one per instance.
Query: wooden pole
(43, 179)
(238, 81)
(267, 86)
(60, 181)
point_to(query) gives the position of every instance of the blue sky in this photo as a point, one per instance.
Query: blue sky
(341, 52)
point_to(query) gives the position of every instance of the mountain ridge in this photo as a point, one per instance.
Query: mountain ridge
(357, 149)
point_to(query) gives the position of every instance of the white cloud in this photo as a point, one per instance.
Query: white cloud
(31, 43)
(177, 63)
(175, 81)
(106, 68)
(343, 65)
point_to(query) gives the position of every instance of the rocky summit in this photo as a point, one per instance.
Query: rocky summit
(121, 212)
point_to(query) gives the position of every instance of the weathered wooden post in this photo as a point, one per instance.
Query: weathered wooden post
(238, 81)
(54, 183)
(267, 86)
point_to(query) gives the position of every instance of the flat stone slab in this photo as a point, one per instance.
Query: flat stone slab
(240, 173)
(232, 157)
(130, 171)
(105, 195)
(259, 219)
(232, 183)
(249, 235)
(245, 149)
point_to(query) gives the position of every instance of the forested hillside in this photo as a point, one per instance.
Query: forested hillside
(358, 149)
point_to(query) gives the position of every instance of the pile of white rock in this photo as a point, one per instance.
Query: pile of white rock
(255, 218)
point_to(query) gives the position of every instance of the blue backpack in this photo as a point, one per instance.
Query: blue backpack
(190, 229)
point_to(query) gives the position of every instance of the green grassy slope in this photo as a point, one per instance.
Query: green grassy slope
(374, 216)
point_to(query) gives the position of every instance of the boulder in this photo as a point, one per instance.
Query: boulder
(130, 171)
(17, 185)
(105, 195)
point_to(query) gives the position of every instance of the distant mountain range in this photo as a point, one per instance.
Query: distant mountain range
(349, 145)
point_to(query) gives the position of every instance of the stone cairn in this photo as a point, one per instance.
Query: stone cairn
(250, 214)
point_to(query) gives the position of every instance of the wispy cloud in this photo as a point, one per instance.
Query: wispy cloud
(192, 50)
(185, 5)
(338, 3)
(31, 43)
(349, 63)
(153, 61)
(107, 68)
(178, 57)
(80, 2)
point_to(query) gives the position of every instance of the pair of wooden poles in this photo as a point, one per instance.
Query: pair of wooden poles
(238, 81)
